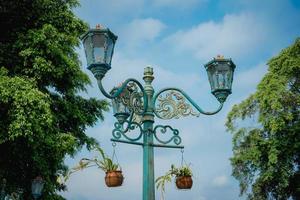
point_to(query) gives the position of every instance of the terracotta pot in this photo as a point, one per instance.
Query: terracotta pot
(184, 182)
(114, 178)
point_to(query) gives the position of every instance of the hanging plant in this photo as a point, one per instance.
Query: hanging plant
(113, 177)
(183, 178)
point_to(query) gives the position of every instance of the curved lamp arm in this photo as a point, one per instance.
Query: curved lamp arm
(185, 105)
(121, 89)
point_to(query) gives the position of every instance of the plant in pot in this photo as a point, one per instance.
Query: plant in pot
(113, 177)
(183, 178)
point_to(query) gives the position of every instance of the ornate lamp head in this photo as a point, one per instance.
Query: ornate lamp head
(120, 110)
(37, 186)
(99, 47)
(220, 75)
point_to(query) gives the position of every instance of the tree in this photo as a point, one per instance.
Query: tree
(266, 132)
(42, 117)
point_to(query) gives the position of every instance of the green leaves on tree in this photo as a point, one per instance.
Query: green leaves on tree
(42, 117)
(265, 128)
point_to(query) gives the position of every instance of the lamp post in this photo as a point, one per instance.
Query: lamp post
(135, 105)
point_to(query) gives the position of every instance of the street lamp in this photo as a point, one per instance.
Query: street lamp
(220, 76)
(37, 186)
(3, 186)
(99, 46)
(135, 105)
(120, 109)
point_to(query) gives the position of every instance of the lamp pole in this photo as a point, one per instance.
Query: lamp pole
(135, 105)
(148, 151)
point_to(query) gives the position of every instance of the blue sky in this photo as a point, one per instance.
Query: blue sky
(176, 37)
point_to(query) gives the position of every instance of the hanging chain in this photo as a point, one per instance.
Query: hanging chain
(182, 151)
(114, 156)
(183, 162)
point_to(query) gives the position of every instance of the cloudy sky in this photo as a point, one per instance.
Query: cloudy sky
(176, 37)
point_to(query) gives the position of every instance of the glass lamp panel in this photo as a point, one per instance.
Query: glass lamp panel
(210, 72)
(99, 48)
(88, 47)
(220, 75)
(109, 51)
(119, 107)
(37, 187)
(229, 77)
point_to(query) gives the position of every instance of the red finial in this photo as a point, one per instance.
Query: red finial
(98, 26)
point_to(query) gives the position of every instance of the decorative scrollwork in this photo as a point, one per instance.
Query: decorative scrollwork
(119, 131)
(132, 98)
(173, 105)
(163, 129)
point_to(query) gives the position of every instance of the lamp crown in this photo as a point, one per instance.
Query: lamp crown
(148, 71)
(219, 57)
(148, 75)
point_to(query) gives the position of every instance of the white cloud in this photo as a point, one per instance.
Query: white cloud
(245, 83)
(142, 30)
(220, 181)
(248, 79)
(236, 36)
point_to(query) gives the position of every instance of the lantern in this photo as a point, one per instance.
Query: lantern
(120, 109)
(220, 76)
(37, 186)
(99, 47)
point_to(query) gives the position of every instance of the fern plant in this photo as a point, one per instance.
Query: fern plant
(107, 165)
(103, 162)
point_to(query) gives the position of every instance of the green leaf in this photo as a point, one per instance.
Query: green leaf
(265, 129)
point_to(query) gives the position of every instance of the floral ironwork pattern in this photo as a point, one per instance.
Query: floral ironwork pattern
(163, 129)
(119, 131)
(173, 105)
(132, 98)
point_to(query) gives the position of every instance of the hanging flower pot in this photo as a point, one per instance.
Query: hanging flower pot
(183, 178)
(114, 178)
(184, 182)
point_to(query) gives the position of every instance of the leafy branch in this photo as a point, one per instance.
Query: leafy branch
(104, 162)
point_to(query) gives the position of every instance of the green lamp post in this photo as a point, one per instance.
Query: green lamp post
(135, 105)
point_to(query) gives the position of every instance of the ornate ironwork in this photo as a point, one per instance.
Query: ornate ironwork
(132, 101)
(119, 131)
(132, 98)
(173, 105)
(163, 129)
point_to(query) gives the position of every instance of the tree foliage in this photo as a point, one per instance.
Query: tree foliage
(266, 132)
(42, 117)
